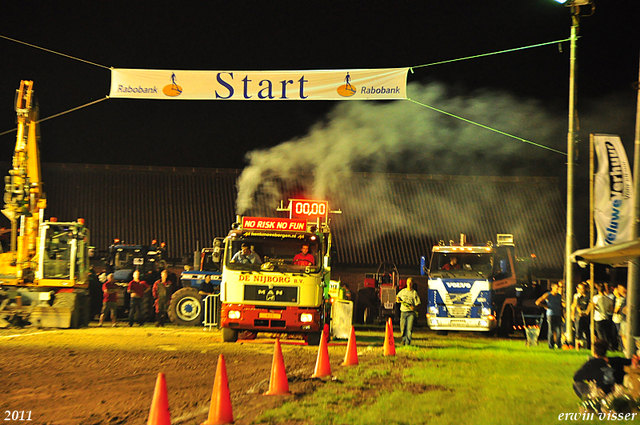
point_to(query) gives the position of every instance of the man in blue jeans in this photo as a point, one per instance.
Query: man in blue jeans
(553, 304)
(409, 301)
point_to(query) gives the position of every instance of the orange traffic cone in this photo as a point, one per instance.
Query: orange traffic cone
(323, 367)
(220, 411)
(159, 412)
(389, 343)
(351, 356)
(278, 385)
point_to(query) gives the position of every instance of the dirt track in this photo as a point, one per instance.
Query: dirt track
(107, 375)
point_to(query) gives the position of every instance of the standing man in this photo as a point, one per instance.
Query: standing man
(409, 302)
(162, 295)
(602, 307)
(621, 296)
(303, 258)
(580, 312)
(553, 304)
(109, 300)
(136, 289)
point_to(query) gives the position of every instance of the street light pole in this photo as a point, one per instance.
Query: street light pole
(571, 142)
(633, 277)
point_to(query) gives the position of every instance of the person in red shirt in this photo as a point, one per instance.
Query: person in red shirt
(109, 300)
(136, 289)
(452, 264)
(303, 258)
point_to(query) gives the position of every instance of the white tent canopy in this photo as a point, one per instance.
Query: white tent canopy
(611, 254)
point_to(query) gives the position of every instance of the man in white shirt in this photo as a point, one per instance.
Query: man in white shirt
(603, 307)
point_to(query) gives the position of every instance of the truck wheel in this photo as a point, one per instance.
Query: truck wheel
(185, 308)
(313, 338)
(229, 335)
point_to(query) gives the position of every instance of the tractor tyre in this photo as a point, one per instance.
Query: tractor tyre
(148, 310)
(365, 308)
(185, 308)
(229, 335)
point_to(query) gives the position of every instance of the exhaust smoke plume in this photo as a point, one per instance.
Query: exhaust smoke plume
(402, 137)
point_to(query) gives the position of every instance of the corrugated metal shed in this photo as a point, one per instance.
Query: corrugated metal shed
(384, 217)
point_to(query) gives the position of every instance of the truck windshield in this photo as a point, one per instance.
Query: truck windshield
(457, 263)
(273, 254)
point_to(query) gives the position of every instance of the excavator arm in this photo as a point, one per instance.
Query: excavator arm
(23, 197)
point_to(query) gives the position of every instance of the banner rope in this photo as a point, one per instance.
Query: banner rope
(61, 113)
(54, 52)
(486, 127)
(490, 54)
(411, 100)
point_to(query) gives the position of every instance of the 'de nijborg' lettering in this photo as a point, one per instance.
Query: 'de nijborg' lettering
(264, 278)
(266, 91)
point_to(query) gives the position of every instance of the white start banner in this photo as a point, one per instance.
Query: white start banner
(363, 84)
(613, 191)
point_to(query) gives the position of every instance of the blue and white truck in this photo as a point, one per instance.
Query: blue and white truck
(477, 287)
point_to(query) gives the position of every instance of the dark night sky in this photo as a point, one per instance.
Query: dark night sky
(274, 35)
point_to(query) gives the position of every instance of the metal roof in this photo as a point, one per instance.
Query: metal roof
(385, 217)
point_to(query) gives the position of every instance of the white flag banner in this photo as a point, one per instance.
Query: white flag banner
(613, 191)
(372, 84)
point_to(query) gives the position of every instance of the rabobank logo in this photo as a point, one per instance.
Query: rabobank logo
(347, 89)
(172, 89)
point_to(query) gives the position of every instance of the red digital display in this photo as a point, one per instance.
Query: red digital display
(259, 223)
(303, 208)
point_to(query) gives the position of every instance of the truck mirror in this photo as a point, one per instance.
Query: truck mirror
(423, 266)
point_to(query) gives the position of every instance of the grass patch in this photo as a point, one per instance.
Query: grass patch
(454, 379)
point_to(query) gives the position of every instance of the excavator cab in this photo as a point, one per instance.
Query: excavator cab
(63, 252)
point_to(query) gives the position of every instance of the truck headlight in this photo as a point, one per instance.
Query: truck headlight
(234, 314)
(306, 317)
(434, 322)
(486, 311)
(433, 310)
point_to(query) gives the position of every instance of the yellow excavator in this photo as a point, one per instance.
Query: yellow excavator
(44, 272)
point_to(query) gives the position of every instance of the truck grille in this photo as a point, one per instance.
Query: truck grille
(459, 305)
(459, 311)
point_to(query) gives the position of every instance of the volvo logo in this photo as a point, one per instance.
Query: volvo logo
(461, 285)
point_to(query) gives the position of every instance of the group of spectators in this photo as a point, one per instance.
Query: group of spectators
(161, 289)
(608, 307)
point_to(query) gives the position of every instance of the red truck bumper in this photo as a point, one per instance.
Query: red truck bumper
(256, 318)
